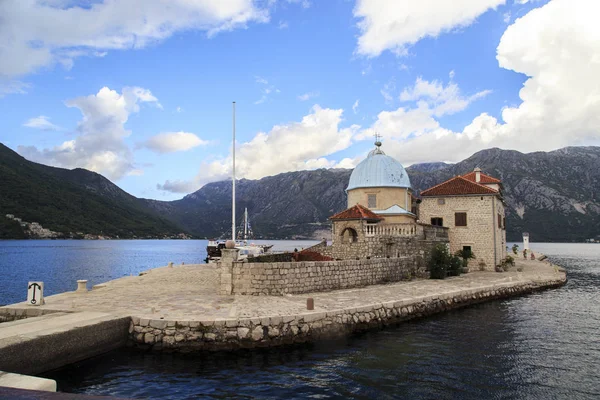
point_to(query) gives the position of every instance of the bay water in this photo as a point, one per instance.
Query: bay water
(541, 346)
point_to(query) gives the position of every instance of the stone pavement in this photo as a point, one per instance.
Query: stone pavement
(190, 293)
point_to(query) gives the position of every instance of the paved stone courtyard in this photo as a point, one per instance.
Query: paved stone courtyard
(190, 293)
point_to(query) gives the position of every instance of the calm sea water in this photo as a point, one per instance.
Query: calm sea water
(541, 346)
(60, 263)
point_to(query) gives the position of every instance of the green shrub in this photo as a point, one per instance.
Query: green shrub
(466, 255)
(515, 248)
(439, 262)
(455, 266)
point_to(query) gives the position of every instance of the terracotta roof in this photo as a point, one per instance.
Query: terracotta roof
(483, 178)
(458, 186)
(356, 212)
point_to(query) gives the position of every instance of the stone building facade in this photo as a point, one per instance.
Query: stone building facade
(472, 208)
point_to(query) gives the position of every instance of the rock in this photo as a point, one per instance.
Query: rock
(257, 333)
(168, 340)
(179, 337)
(148, 338)
(273, 332)
(242, 333)
(210, 337)
(158, 323)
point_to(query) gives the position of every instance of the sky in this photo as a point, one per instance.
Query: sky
(141, 91)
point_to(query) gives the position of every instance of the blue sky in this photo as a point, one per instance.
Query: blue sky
(141, 92)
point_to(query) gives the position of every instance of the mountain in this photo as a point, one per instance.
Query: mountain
(552, 195)
(56, 202)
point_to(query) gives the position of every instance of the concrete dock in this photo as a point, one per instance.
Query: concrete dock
(179, 309)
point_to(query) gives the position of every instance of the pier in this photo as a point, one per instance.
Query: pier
(180, 309)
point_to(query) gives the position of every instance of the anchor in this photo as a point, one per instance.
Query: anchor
(34, 285)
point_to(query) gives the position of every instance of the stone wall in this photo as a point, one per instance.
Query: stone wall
(380, 245)
(318, 276)
(280, 330)
(385, 197)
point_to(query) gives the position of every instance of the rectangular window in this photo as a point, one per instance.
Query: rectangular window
(372, 200)
(441, 202)
(467, 251)
(499, 221)
(460, 219)
(504, 222)
(437, 221)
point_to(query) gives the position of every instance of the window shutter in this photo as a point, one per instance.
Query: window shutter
(460, 219)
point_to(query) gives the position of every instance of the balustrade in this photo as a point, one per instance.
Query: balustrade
(396, 230)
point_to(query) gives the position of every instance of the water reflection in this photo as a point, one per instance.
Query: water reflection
(541, 346)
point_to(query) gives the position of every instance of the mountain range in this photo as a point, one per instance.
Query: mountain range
(552, 195)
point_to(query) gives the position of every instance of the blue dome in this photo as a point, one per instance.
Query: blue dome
(378, 170)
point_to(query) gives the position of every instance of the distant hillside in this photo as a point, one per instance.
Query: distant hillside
(71, 203)
(553, 195)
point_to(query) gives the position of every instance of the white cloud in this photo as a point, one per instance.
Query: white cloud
(170, 142)
(289, 147)
(39, 33)
(431, 100)
(303, 3)
(11, 86)
(136, 172)
(355, 106)
(397, 24)
(308, 96)
(387, 91)
(266, 90)
(558, 47)
(283, 25)
(100, 144)
(42, 123)
(443, 100)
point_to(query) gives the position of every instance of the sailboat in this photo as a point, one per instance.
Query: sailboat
(245, 232)
(214, 247)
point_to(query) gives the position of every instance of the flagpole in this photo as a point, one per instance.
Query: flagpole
(233, 181)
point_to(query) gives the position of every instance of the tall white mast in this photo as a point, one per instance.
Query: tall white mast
(233, 181)
(246, 224)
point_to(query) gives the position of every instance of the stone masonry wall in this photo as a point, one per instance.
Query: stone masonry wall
(379, 246)
(317, 276)
(482, 223)
(280, 330)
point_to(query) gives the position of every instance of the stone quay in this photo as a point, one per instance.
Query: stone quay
(183, 308)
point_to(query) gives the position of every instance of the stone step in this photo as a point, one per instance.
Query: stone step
(40, 344)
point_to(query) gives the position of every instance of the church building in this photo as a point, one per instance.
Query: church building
(380, 220)
(385, 219)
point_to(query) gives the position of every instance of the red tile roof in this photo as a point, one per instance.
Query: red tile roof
(357, 212)
(457, 186)
(482, 179)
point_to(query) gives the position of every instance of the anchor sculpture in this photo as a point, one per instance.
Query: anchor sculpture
(35, 293)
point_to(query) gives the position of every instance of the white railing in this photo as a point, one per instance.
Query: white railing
(392, 230)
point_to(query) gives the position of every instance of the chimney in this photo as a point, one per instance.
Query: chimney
(477, 174)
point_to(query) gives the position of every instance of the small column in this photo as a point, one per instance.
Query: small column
(82, 286)
(35, 293)
(525, 241)
(228, 257)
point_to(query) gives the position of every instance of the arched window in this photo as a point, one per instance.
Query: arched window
(349, 235)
